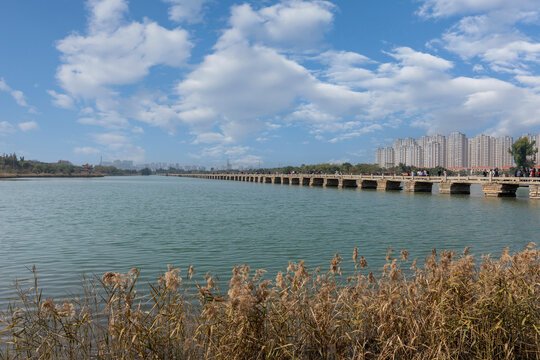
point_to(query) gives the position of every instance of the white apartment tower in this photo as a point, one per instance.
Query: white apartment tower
(385, 157)
(432, 154)
(502, 157)
(456, 154)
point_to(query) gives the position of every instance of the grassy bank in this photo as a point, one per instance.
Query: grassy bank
(453, 307)
(15, 176)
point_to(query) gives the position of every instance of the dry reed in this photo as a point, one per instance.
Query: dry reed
(451, 308)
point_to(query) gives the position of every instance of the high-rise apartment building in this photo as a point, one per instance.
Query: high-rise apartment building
(385, 157)
(502, 157)
(432, 154)
(457, 150)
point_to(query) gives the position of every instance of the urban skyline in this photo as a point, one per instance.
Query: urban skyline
(454, 152)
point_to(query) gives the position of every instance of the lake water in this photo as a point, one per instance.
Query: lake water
(67, 227)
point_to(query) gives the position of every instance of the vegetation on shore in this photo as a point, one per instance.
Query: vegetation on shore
(452, 307)
(523, 152)
(12, 165)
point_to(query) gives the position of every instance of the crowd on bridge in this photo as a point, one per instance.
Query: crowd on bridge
(526, 172)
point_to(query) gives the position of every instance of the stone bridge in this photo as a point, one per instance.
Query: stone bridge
(491, 186)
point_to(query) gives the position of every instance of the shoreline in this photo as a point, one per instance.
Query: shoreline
(16, 176)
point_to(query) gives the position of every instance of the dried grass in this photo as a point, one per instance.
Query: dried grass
(451, 308)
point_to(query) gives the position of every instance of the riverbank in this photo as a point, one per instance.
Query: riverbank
(15, 176)
(452, 307)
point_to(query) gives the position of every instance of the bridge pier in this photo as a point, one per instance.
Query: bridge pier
(388, 185)
(317, 182)
(418, 186)
(367, 184)
(331, 182)
(448, 187)
(494, 189)
(348, 183)
(534, 192)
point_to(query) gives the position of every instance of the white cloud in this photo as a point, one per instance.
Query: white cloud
(119, 146)
(116, 52)
(6, 128)
(17, 95)
(418, 88)
(29, 125)
(211, 137)
(356, 133)
(112, 140)
(239, 86)
(107, 119)
(62, 100)
(445, 8)
(106, 14)
(247, 161)
(532, 81)
(490, 30)
(190, 11)
(86, 150)
(294, 24)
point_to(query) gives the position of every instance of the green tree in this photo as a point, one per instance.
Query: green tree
(146, 171)
(523, 151)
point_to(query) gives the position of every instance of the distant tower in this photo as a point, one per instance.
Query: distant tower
(229, 166)
(100, 160)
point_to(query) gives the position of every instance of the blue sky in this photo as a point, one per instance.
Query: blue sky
(269, 82)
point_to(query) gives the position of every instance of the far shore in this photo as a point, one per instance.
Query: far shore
(14, 176)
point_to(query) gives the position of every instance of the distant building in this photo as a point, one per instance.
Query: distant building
(456, 155)
(456, 151)
(385, 157)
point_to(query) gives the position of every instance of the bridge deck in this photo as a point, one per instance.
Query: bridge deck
(521, 181)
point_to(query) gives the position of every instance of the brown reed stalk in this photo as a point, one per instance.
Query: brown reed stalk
(453, 307)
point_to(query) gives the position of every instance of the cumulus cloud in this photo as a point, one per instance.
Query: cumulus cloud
(115, 51)
(491, 30)
(248, 161)
(419, 88)
(248, 78)
(293, 25)
(29, 125)
(190, 11)
(237, 155)
(119, 145)
(62, 100)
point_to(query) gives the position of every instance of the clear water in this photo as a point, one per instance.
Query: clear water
(67, 227)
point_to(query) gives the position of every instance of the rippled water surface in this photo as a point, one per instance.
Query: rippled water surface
(67, 227)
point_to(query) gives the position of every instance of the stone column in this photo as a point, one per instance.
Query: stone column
(534, 192)
(494, 189)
